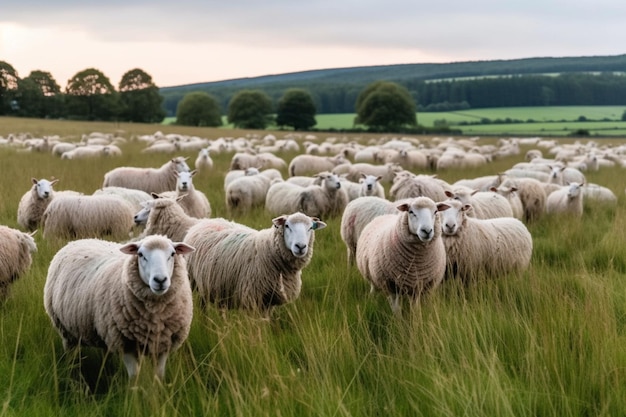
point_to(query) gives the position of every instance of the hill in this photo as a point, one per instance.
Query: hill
(352, 80)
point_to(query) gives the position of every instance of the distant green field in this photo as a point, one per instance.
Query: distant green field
(553, 121)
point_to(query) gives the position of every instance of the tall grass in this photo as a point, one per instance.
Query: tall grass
(547, 342)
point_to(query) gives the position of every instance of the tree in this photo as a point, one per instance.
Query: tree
(296, 108)
(250, 109)
(140, 100)
(198, 109)
(8, 88)
(385, 105)
(39, 95)
(91, 96)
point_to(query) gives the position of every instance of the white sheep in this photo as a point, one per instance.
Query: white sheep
(235, 266)
(531, 193)
(403, 254)
(133, 299)
(568, 199)
(165, 216)
(34, 202)
(85, 216)
(483, 247)
(204, 162)
(325, 200)
(16, 248)
(309, 164)
(150, 180)
(484, 204)
(600, 193)
(510, 193)
(408, 185)
(386, 171)
(194, 202)
(247, 192)
(357, 214)
(131, 195)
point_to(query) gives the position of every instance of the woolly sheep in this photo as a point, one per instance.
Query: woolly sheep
(133, 299)
(483, 247)
(386, 171)
(403, 254)
(204, 162)
(195, 203)
(246, 192)
(326, 199)
(568, 199)
(595, 192)
(165, 216)
(16, 248)
(484, 204)
(532, 194)
(408, 185)
(131, 195)
(307, 164)
(150, 180)
(235, 266)
(510, 193)
(368, 185)
(34, 202)
(87, 216)
(357, 214)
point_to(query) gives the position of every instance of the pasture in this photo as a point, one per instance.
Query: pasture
(550, 341)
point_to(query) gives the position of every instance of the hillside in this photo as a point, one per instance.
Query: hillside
(352, 80)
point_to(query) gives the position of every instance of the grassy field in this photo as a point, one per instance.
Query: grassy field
(548, 342)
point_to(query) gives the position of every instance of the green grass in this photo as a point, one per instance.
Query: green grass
(547, 342)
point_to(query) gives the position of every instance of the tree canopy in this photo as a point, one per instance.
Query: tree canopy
(296, 109)
(140, 100)
(91, 96)
(250, 109)
(198, 109)
(385, 105)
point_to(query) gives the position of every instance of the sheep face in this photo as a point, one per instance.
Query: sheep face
(185, 180)
(297, 232)
(44, 187)
(452, 218)
(141, 217)
(368, 182)
(330, 181)
(422, 216)
(574, 189)
(155, 257)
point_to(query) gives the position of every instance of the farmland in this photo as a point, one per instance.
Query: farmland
(548, 342)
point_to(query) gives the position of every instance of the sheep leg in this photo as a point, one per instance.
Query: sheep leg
(160, 366)
(132, 364)
(394, 301)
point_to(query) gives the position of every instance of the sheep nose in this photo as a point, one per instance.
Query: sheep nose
(427, 233)
(301, 247)
(46, 194)
(160, 281)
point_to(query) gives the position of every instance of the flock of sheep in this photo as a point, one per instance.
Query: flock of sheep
(404, 229)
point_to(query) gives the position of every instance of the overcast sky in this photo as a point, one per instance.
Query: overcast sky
(191, 41)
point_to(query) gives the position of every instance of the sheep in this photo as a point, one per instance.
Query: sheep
(131, 195)
(483, 247)
(357, 214)
(368, 185)
(85, 216)
(247, 192)
(595, 192)
(510, 193)
(238, 267)
(80, 152)
(307, 164)
(195, 203)
(16, 248)
(326, 199)
(386, 171)
(532, 194)
(484, 204)
(150, 180)
(165, 216)
(34, 202)
(403, 254)
(133, 299)
(568, 199)
(408, 185)
(203, 162)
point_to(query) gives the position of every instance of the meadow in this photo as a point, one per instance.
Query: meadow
(547, 342)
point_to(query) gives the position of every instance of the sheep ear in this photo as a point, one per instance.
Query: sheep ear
(54, 181)
(466, 207)
(31, 234)
(183, 248)
(442, 206)
(130, 249)
(155, 195)
(194, 172)
(279, 221)
(449, 194)
(34, 180)
(403, 207)
(317, 224)
(363, 175)
(474, 192)
(494, 189)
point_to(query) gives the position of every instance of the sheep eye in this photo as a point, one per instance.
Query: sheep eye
(287, 226)
(140, 255)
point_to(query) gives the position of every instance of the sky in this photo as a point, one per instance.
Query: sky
(192, 41)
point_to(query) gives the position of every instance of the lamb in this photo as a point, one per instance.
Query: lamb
(85, 216)
(204, 163)
(150, 180)
(327, 199)
(247, 192)
(235, 266)
(307, 164)
(483, 247)
(566, 200)
(133, 299)
(195, 203)
(357, 214)
(16, 248)
(403, 254)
